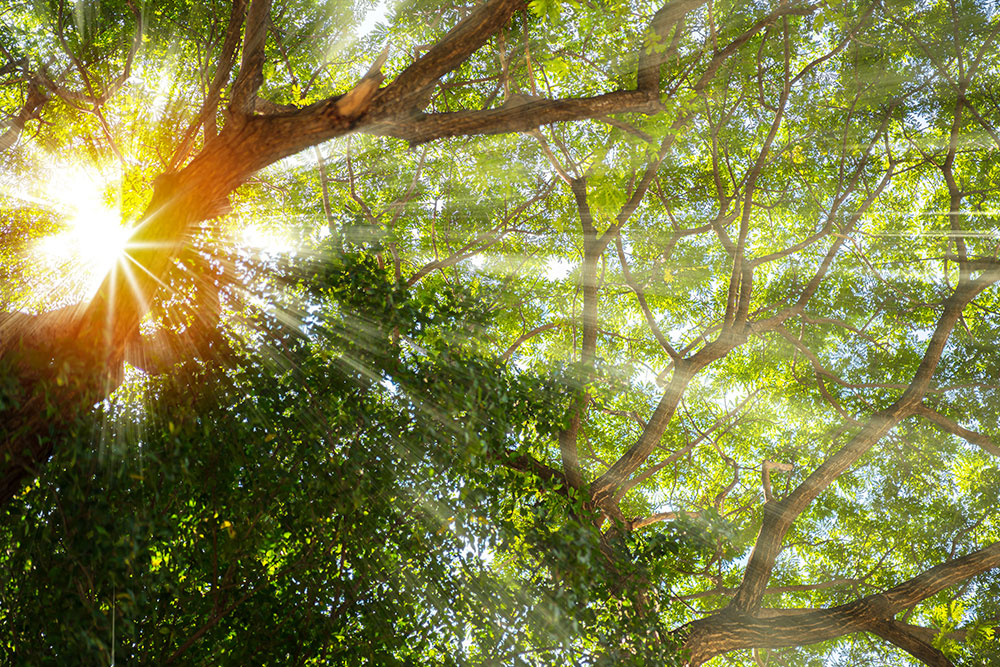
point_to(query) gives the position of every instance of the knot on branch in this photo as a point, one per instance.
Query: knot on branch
(358, 99)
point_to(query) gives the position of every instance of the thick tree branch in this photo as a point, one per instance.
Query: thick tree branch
(526, 463)
(33, 103)
(605, 486)
(901, 635)
(251, 76)
(530, 113)
(525, 115)
(676, 455)
(447, 54)
(97, 339)
(654, 51)
(765, 476)
(730, 630)
(588, 349)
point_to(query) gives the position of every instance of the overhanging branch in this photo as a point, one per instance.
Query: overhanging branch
(730, 630)
(522, 116)
(900, 634)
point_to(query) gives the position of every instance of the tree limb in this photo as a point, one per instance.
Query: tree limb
(251, 76)
(778, 517)
(528, 114)
(731, 630)
(219, 80)
(901, 635)
(29, 111)
(447, 54)
(949, 426)
(653, 53)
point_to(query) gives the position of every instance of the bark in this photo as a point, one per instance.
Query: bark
(527, 115)
(29, 110)
(655, 51)
(251, 74)
(730, 630)
(605, 486)
(899, 634)
(219, 79)
(568, 449)
(949, 426)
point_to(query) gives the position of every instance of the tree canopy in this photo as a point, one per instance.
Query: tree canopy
(501, 333)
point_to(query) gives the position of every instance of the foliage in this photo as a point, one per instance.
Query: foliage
(548, 365)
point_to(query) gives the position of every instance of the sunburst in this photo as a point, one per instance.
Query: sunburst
(94, 238)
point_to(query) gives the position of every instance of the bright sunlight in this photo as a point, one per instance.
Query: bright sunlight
(94, 238)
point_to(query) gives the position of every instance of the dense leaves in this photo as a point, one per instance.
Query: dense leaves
(601, 333)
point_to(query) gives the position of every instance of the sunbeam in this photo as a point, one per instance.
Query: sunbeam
(93, 238)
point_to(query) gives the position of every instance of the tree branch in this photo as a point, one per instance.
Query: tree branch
(524, 115)
(447, 54)
(251, 76)
(528, 335)
(653, 53)
(778, 517)
(730, 630)
(901, 635)
(607, 484)
(949, 426)
(29, 111)
(219, 80)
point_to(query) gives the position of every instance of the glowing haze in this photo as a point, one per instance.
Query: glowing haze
(93, 239)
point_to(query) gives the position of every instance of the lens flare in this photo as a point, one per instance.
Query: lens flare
(93, 239)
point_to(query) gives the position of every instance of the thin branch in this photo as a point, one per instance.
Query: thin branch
(949, 426)
(219, 80)
(778, 517)
(528, 335)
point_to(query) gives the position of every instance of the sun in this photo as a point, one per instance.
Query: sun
(94, 238)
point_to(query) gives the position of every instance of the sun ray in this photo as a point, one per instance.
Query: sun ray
(92, 240)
